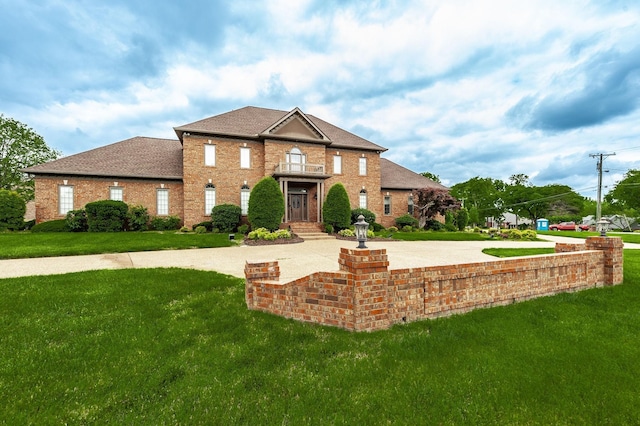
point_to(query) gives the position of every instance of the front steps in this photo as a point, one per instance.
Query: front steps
(308, 230)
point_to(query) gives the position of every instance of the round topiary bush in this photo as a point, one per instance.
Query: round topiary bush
(106, 216)
(406, 220)
(369, 216)
(226, 217)
(266, 205)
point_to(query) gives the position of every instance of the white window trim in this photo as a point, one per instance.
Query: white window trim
(210, 155)
(245, 194)
(362, 166)
(245, 158)
(385, 204)
(337, 165)
(117, 189)
(362, 199)
(209, 199)
(65, 201)
(162, 209)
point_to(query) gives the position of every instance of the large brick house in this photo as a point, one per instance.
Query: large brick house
(219, 160)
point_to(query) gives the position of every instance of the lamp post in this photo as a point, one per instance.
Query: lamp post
(602, 225)
(361, 232)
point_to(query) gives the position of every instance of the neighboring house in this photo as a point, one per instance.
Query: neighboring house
(219, 160)
(616, 222)
(508, 220)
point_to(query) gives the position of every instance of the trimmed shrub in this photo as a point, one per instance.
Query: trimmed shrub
(433, 225)
(77, 220)
(369, 216)
(59, 225)
(138, 218)
(12, 210)
(106, 216)
(337, 207)
(184, 229)
(207, 225)
(346, 233)
(377, 227)
(529, 235)
(407, 228)
(243, 229)
(328, 229)
(200, 230)
(462, 219)
(406, 220)
(392, 229)
(266, 205)
(226, 217)
(169, 223)
(265, 234)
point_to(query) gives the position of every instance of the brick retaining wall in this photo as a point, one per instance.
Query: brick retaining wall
(365, 295)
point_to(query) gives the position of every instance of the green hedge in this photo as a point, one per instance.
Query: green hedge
(226, 217)
(59, 225)
(12, 210)
(106, 216)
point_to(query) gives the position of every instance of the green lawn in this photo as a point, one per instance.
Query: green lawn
(627, 237)
(171, 346)
(510, 252)
(440, 236)
(15, 245)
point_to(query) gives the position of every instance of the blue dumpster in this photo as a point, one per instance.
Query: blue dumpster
(542, 224)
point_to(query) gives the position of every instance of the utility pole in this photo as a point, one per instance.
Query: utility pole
(600, 158)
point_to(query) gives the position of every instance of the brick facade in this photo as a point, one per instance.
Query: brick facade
(366, 296)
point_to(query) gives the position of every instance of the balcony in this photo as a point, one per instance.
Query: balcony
(299, 169)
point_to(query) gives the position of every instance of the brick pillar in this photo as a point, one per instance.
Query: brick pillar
(258, 271)
(613, 261)
(369, 271)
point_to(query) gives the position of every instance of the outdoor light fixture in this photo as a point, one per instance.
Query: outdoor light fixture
(361, 232)
(603, 226)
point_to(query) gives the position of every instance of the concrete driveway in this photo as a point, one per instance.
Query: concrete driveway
(296, 260)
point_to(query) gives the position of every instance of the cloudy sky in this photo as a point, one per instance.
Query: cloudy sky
(486, 88)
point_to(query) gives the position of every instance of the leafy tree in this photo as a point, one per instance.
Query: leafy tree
(20, 147)
(369, 216)
(535, 202)
(266, 205)
(482, 194)
(12, 209)
(431, 176)
(428, 202)
(336, 210)
(474, 216)
(626, 194)
(462, 219)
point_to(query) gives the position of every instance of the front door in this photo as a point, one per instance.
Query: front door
(298, 208)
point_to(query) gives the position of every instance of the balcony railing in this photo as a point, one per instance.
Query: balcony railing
(300, 169)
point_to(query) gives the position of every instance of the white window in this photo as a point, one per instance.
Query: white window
(65, 198)
(209, 198)
(363, 166)
(162, 201)
(337, 165)
(244, 199)
(115, 193)
(209, 155)
(296, 160)
(387, 205)
(245, 158)
(363, 199)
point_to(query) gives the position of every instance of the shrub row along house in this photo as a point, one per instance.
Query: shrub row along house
(218, 160)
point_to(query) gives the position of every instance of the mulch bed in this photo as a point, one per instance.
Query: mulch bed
(293, 240)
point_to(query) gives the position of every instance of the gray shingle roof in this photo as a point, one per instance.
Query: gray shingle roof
(253, 122)
(138, 157)
(394, 176)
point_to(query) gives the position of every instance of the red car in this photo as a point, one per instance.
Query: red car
(568, 226)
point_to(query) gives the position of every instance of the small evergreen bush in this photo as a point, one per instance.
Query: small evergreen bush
(77, 221)
(226, 217)
(200, 230)
(106, 216)
(266, 205)
(407, 228)
(392, 229)
(265, 234)
(406, 220)
(369, 216)
(243, 229)
(337, 207)
(462, 219)
(138, 218)
(377, 227)
(12, 210)
(59, 225)
(346, 233)
(328, 229)
(169, 223)
(433, 225)
(207, 225)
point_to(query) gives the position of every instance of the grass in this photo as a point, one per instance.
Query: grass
(627, 237)
(510, 252)
(440, 236)
(171, 346)
(14, 245)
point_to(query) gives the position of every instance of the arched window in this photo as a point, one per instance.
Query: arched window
(296, 160)
(363, 199)
(209, 198)
(244, 199)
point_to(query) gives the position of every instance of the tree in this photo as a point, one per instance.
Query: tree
(626, 194)
(428, 202)
(266, 205)
(20, 147)
(12, 209)
(336, 210)
(431, 176)
(483, 194)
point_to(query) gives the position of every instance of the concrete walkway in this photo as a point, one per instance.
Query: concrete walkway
(296, 260)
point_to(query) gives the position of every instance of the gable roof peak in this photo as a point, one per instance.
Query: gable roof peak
(296, 114)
